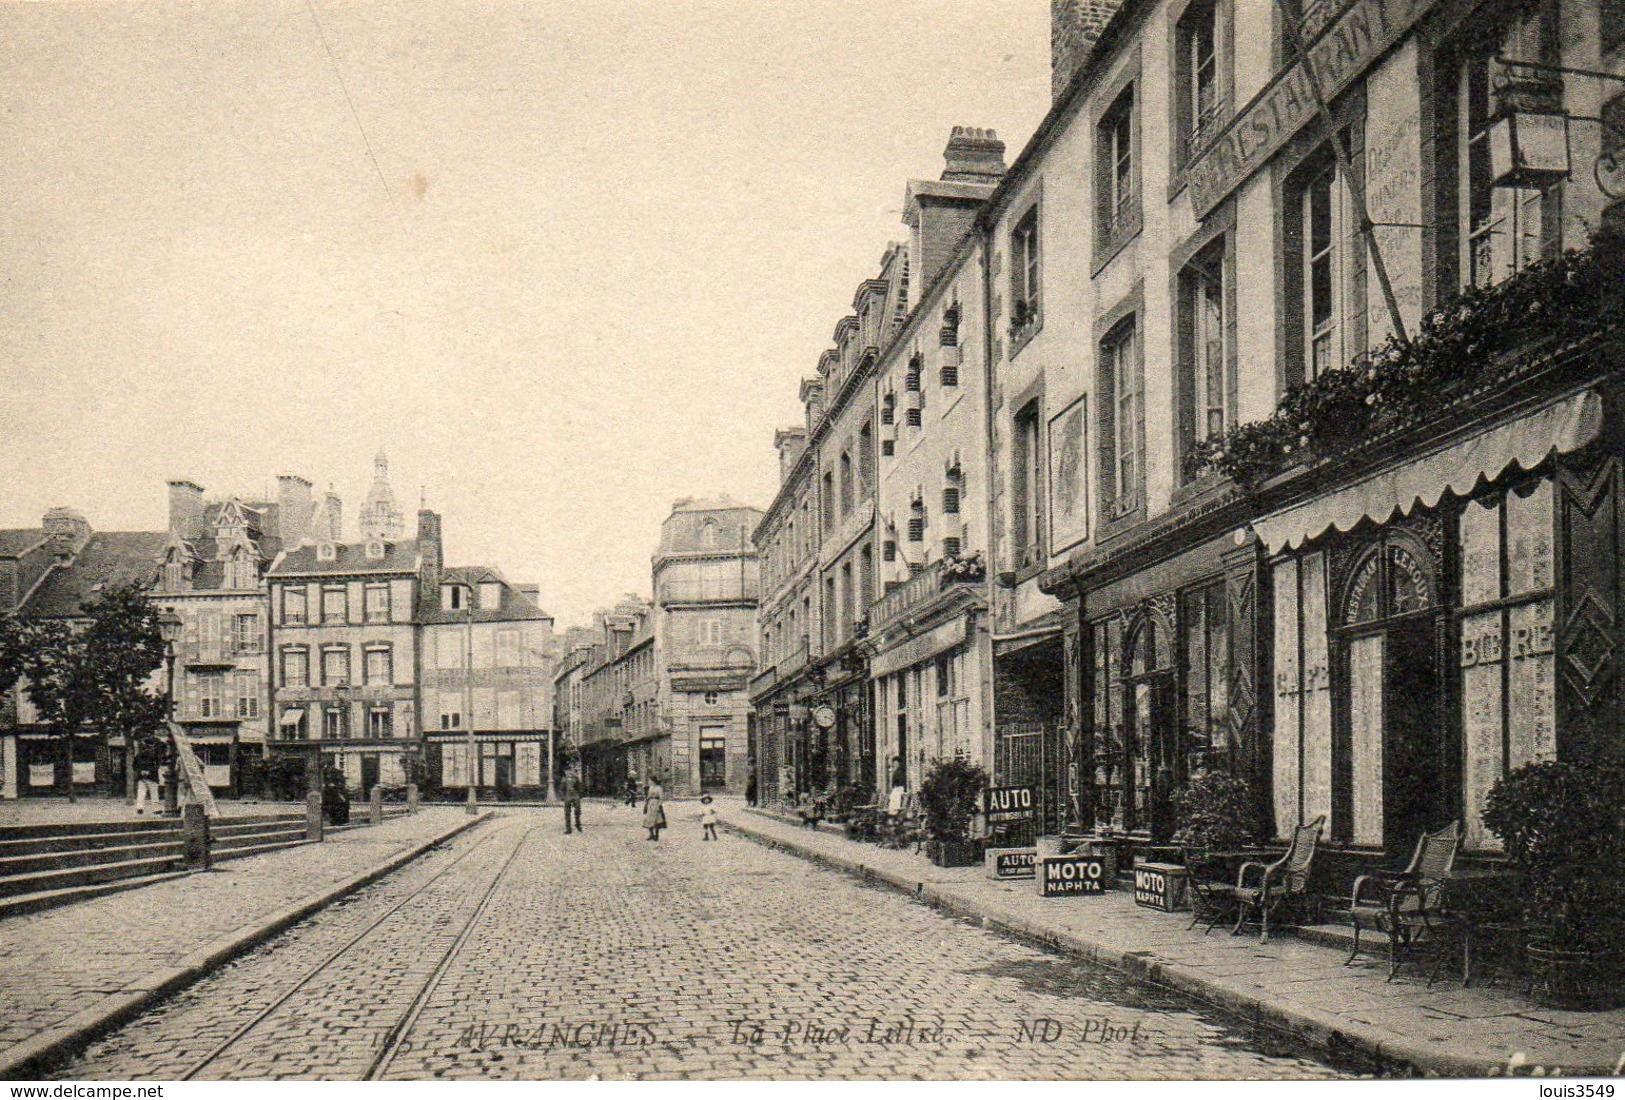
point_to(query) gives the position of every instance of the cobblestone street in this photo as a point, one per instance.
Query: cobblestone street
(517, 952)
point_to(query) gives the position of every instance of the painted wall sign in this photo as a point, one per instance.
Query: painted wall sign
(1070, 876)
(1009, 863)
(1357, 38)
(1008, 803)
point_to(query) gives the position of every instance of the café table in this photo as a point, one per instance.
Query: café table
(1480, 915)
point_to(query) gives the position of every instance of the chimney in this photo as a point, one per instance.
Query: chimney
(533, 591)
(67, 532)
(1074, 27)
(791, 444)
(431, 558)
(293, 509)
(940, 212)
(186, 509)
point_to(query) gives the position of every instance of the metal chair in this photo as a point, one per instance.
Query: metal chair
(1405, 904)
(1283, 883)
(1211, 897)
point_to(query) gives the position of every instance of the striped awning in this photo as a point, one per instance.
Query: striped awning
(1524, 443)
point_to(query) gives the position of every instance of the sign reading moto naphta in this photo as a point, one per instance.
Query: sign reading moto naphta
(1358, 37)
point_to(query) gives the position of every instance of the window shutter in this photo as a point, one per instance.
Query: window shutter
(950, 375)
(888, 550)
(916, 529)
(913, 416)
(888, 447)
(950, 546)
(950, 500)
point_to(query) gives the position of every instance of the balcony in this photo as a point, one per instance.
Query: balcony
(743, 590)
(924, 588)
(208, 655)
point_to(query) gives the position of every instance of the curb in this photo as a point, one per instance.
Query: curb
(1320, 1030)
(40, 1050)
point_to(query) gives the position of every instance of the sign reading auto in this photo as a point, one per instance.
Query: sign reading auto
(1008, 803)
(1363, 33)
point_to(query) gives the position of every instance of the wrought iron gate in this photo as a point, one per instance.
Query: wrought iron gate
(1032, 754)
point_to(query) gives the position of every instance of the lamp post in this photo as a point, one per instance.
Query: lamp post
(169, 628)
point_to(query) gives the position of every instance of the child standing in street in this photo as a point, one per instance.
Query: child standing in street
(708, 817)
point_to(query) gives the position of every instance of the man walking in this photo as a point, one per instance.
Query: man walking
(570, 791)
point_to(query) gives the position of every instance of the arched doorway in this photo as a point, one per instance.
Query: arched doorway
(1392, 764)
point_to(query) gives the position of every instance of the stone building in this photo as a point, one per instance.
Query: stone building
(704, 645)
(345, 645)
(487, 667)
(213, 580)
(816, 712)
(50, 573)
(928, 628)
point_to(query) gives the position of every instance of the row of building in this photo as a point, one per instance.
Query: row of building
(657, 688)
(290, 635)
(1000, 533)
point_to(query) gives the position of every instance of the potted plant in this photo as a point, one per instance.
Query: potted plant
(1214, 811)
(1563, 826)
(950, 795)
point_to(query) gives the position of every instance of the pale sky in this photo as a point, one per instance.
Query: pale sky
(592, 250)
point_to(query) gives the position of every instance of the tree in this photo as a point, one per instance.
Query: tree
(122, 646)
(93, 673)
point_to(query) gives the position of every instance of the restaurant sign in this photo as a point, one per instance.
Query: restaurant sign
(1363, 33)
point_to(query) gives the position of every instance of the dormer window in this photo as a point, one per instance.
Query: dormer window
(453, 597)
(491, 595)
(326, 551)
(241, 570)
(375, 550)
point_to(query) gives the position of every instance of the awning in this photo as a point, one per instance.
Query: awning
(1564, 426)
(292, 717)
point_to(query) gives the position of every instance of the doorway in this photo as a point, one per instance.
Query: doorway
(1394, 777)
(713, 758)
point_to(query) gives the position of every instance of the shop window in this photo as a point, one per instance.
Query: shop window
(1506, 658)
(1205, 655)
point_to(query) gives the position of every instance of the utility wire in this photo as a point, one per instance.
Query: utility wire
(366, 142)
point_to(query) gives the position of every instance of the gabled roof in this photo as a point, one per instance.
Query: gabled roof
(348, 558)
(108, 559)
(515, 605)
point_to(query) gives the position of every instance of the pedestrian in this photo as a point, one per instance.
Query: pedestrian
(570, 791)
(899, 787)
(708, 817)
(146, 779)
(631, 790)
(750, 790)
(654, 809)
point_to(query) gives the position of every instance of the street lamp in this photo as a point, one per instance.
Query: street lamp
(169, 628)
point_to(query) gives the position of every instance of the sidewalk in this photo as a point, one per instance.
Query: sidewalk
(1288, 984)
(51, 811)
(82, 968)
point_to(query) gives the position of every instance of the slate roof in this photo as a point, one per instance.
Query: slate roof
(13, 543)
(108, 559)
(515, 606)
(348, 558)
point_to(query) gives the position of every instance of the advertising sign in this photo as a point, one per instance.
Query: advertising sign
(1009, 863)
(1070, 876)
(1159, 886)
(1008, 803)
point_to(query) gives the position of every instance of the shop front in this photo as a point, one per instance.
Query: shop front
(1164, 661)
(1443, 621)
